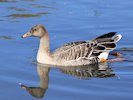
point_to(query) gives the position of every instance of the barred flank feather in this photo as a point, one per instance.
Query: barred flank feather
(86, 52)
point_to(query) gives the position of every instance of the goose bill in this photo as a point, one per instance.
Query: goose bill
(26, 35)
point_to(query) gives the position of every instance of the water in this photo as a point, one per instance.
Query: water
(66, 21)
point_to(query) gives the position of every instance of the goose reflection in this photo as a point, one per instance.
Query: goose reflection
(83, 72)
(101, 70)
(43, 73)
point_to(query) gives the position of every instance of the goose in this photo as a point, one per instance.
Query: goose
(77, 53)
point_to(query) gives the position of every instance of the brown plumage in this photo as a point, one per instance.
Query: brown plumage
(74, 53)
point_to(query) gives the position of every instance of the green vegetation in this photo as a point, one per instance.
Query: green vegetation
(27, 15)
(23, 15)
(41, 6)
(127, 49)
(3, 0)
(6, 37)
(17, 9)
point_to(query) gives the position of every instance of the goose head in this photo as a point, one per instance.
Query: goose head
(36, 31)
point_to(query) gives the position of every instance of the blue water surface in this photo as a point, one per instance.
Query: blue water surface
(66, 21)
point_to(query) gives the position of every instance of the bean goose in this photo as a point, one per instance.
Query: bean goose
(74, 53)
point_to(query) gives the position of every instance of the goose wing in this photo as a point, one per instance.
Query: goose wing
(87, 49)
(77, 50)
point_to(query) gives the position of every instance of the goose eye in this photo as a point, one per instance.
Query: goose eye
(35, 29)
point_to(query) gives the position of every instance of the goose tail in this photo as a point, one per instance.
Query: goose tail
(108, 41)
(109, 37)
